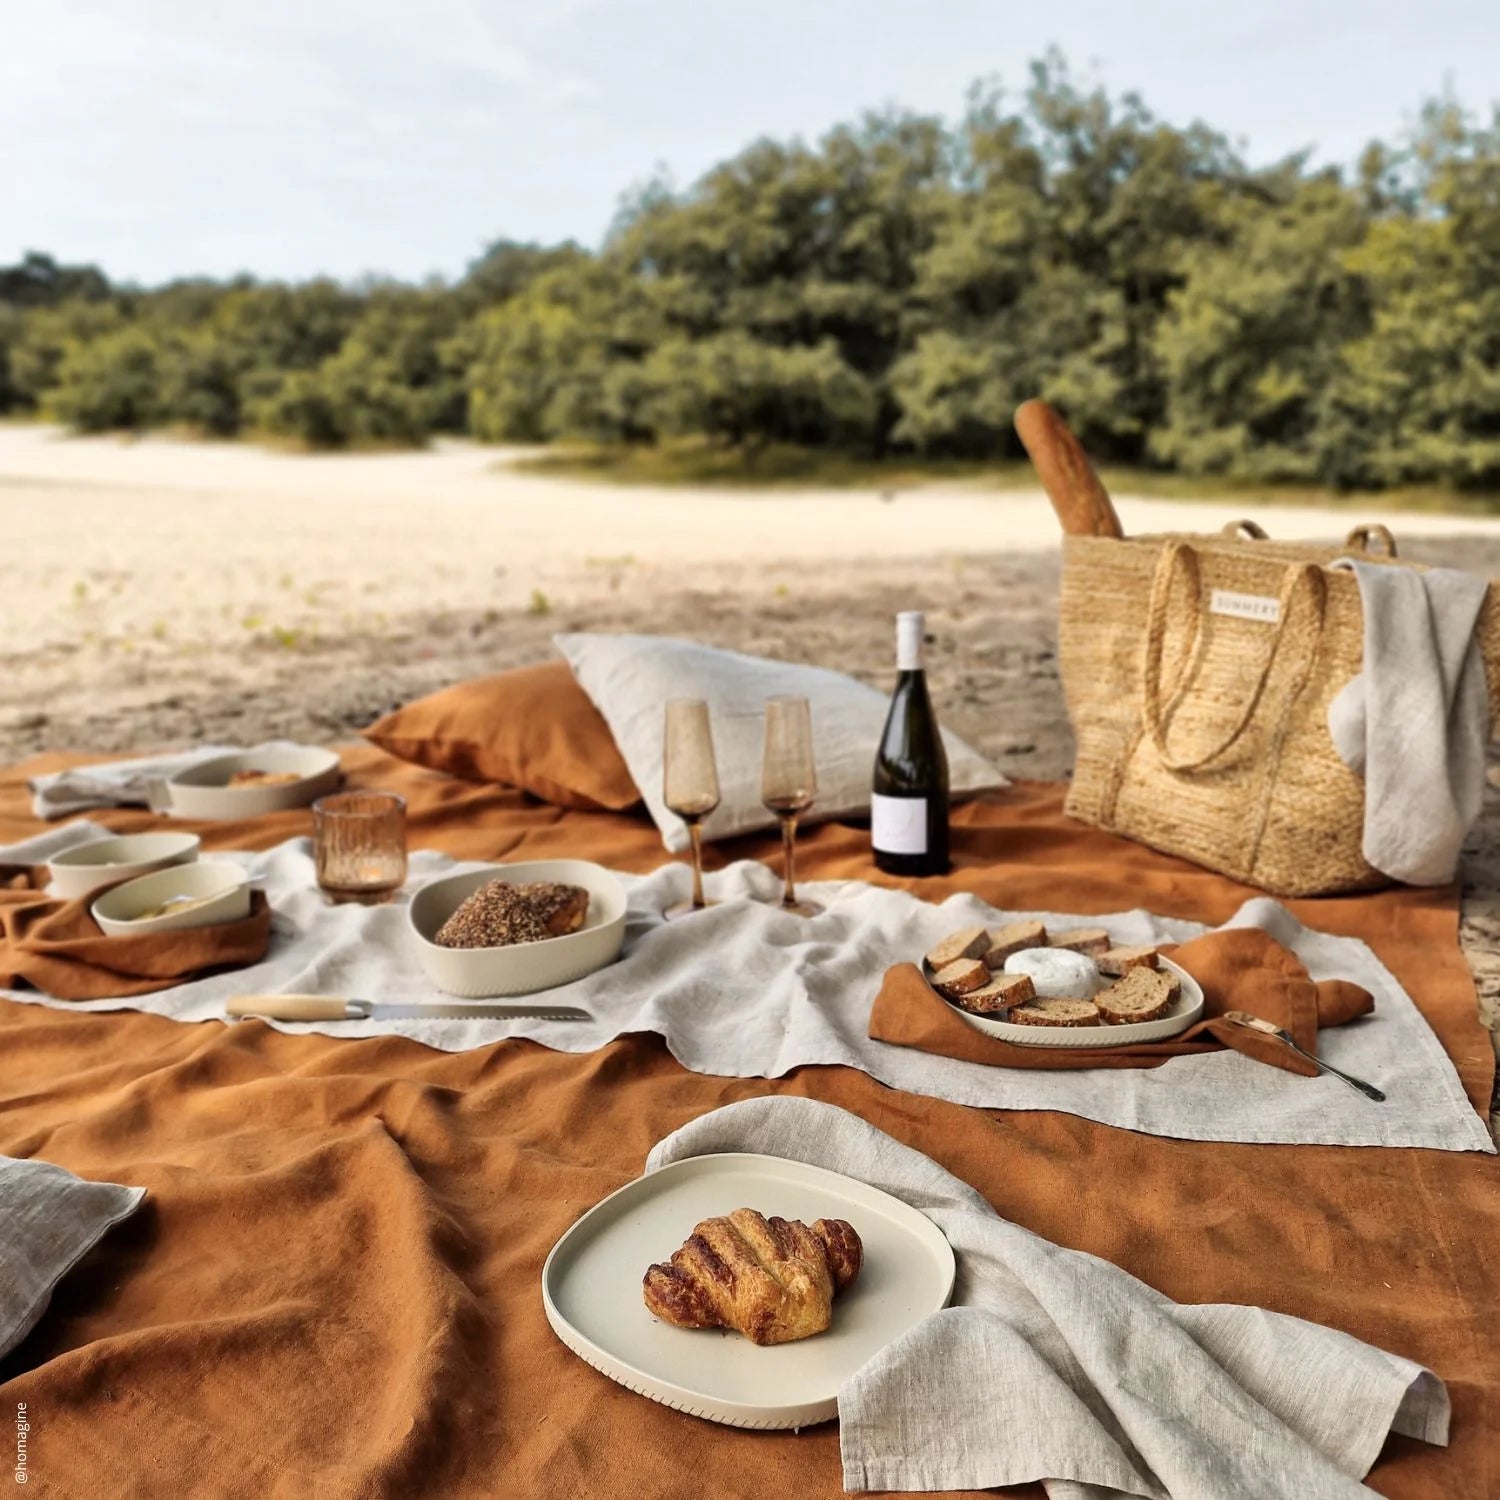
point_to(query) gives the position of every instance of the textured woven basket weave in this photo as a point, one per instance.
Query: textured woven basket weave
(1198, 672)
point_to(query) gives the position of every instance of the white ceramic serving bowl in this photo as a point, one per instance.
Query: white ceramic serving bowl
(200, 791)
(521, 968)
(76, 872)
(226, 886)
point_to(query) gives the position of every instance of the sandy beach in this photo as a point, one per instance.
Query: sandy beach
(160, 592)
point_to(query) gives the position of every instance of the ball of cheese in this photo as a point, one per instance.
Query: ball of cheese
(1056, 973)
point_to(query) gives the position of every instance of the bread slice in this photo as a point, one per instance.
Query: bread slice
(1012, 938)
(1140, 995)
(961, 976)
(998, 996)
(1055, 1013)
(970, 943)
(1088, 940)
(1117, 961)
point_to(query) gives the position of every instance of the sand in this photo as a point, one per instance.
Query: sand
(159, 592)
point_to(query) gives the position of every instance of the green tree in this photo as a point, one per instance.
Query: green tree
(110, 382)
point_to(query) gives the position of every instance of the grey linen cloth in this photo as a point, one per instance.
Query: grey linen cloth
(49, 1220)
(1414, 723)
(1057, 1366)
(747, 990)
(120, 783)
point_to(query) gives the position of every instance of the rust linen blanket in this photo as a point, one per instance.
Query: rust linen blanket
(332, 1288)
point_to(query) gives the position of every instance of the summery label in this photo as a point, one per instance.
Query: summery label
(898, 825)
(1244, 606)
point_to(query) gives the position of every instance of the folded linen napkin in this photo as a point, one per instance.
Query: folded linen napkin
(1416, 721)
(57, 947)
(120, 783)
(1240, 968)
(1054, 1365)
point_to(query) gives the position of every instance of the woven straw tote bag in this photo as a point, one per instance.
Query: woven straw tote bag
(1198, 671)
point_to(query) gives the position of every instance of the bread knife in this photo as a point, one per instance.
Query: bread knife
(337, 1008)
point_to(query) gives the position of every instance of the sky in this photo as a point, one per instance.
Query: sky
(288, 138)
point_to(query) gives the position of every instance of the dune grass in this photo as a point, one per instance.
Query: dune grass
(785, 467)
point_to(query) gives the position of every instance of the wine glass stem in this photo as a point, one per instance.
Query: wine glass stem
(697, 840)
(789, 844)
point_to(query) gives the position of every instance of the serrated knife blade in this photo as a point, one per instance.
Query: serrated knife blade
(340, 1008)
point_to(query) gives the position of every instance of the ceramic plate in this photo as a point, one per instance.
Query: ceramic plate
(201, 790)
(1186, 1008)
(591, 1289)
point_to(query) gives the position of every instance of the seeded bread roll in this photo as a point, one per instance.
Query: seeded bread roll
(497, 915)
(561, 907)
(1117, 961)
(1055, 1013)
(1089, 940)
(1141, 995)
(969, 943)
(998, 996)
(959, 977)
(1012, 938)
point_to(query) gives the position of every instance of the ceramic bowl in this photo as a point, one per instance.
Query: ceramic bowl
(201, 791)
(521, 968)
(76, 872)
(223, 888)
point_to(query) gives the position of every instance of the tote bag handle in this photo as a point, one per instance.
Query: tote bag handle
(1157, 718)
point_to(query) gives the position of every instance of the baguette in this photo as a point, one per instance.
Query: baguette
(1118, 961)
(1012, 938)
(970, 943)
(998, 996)
(1141, 995)
(959, 977)
(1091, 941)
(1056, 1013)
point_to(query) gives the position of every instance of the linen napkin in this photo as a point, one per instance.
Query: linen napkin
(116, 783)
(1057, 1366)
(1241, 968)
(57, 946)
(1415, 722)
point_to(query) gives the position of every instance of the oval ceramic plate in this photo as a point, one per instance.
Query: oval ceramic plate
(202, 791)
(1186, 1009)
(591, 1289)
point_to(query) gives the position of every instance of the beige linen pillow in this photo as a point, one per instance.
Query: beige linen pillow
(630, 678)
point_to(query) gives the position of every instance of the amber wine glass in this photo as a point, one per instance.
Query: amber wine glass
(690, 784)
(789, 784)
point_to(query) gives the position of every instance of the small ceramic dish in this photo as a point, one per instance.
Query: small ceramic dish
(521, 968)
(202, 791)
(77, 872)
(185, 896)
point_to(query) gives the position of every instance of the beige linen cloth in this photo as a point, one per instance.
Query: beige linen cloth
(1056, 1366)
(1416, 721)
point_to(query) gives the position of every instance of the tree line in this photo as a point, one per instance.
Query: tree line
(898, 287)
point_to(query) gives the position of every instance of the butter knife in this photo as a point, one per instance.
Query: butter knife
(337, 1008)
(1258, 1023)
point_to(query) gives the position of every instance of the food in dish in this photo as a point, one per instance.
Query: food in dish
(1078, 978)
(499, 915)
(1056, 973)
(961, 976)
(1141, 994)
(1090, 940)
(1056, 1013)
(969, 942)
(998, 996)
(1012, 938)
(172, 906)
(772, 1280)
(262, 778)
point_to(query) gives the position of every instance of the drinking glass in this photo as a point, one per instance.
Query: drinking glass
(690, 783)
(359, 846)
(789, 783)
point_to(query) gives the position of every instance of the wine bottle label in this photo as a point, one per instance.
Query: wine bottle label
(911, 626)
(898, 825)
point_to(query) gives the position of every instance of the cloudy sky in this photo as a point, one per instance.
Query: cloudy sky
(288, 137)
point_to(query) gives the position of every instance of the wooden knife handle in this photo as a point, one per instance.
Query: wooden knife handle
(1082, 503)
(288, 1007)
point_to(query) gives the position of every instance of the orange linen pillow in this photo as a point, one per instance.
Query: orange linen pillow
(534, 728)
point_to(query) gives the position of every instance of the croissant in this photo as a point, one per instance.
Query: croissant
(772, 1280)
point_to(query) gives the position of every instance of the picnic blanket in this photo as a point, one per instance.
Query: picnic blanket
(333, 1286)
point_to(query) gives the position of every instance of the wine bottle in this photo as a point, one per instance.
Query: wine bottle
(909, 807)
